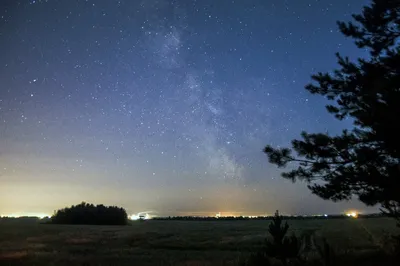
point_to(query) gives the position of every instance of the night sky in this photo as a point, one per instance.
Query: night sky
(161, 105)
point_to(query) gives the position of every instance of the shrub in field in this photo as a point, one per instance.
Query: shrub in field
(278, 246)
(86, 213)
(281, 246)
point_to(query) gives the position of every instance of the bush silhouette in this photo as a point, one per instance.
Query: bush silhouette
(86, 213)
(281, 247)
(278, 246)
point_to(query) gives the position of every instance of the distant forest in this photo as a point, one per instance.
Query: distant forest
(90, 214)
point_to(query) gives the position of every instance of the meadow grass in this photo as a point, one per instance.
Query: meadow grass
(173, 242)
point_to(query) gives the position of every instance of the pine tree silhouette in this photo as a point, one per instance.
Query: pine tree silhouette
(363, 161)
(281, 247)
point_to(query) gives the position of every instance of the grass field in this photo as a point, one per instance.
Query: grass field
(172, 242)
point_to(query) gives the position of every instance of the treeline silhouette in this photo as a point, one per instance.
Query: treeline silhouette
(245, 218)
(86, 213)
(20, 220)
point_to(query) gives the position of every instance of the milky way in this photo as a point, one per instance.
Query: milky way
(161, 105)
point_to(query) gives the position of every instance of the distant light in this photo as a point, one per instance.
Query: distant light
(326, 215)
(140, 216)
(134, 217)
(353, 214)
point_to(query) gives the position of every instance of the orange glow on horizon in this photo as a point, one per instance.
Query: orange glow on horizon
(353, 214)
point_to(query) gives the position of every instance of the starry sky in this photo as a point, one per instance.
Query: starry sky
(162, 106)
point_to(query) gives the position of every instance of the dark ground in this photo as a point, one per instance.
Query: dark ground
(174, 242)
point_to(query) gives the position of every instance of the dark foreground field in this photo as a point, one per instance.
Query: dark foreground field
(173, 242)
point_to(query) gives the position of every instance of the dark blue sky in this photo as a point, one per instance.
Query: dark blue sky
(161, 105)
